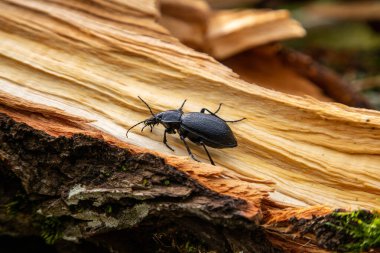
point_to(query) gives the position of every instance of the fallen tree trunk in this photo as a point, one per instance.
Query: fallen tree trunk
(293, 152)
(84, 190)
(73, 182)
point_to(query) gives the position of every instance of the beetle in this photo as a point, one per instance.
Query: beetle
(200, 128)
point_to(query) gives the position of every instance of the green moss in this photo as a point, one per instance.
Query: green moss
(51, 229)
(126, 167)
(11, 208)
(189, 248)
(105, 173)
(108, 209)
(19, 202)
(166, 182)
(123, 168)
(145, 182)
(362, 226)
(179, 242)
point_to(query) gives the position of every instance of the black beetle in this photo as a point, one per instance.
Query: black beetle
(201, 128)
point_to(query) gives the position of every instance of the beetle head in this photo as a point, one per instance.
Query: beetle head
(152, 121)
(169, 119)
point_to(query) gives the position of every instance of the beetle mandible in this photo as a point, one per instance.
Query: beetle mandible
(200, 128)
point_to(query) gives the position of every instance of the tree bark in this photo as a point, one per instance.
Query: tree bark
(70, 74)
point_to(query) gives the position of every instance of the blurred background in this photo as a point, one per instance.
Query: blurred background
(326, 49)
(342, 35)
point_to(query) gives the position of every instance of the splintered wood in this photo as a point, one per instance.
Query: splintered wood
(224, 33)
(186, 20)
(231, 32)
(94, 60)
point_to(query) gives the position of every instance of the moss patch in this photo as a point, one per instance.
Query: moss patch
(51, 229)
(18, 203)
(179, 243)
(362, 226)
(342, 231)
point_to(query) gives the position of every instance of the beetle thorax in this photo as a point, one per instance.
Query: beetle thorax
(170, 119)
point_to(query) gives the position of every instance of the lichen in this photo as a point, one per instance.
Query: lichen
(134, 215)
(72, 198)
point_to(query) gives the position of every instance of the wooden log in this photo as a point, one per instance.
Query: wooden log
(62, 61)
(76, 184)
(96, 72)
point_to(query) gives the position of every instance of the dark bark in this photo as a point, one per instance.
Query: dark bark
(82, 189)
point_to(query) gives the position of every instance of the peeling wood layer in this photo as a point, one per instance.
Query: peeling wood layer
(233, 31)
(224, 33)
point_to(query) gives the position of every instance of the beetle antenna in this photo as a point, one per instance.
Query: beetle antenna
(133, 127)
(147, 106)
(180, 109)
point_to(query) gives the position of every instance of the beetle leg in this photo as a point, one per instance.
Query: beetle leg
(188, 149)
(142, 129)
(180, 109)
(208, 154)
(205, 109)
(214, 113)
(217, 110)
(166, 142)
